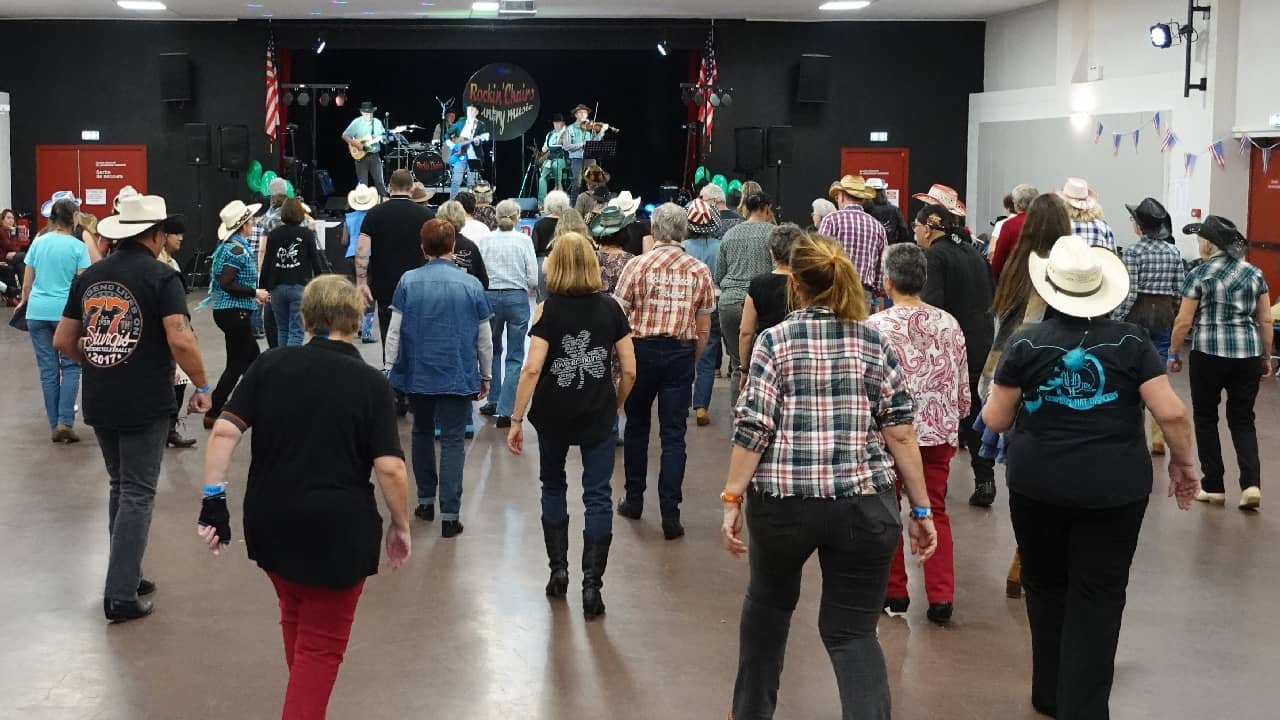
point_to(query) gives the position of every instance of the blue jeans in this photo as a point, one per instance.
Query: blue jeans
(597, 472)
(366, 326)
(664, 371)
(1161, 341)
(286, 305)
(510, 317)
(59, 376)
(255, 322)
(706, 374)
(458, 174)
(450, 414)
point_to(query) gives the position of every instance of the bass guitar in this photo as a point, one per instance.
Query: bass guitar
(358, 153)
(458, 147)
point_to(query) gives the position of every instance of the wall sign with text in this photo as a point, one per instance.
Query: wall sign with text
(507, 97)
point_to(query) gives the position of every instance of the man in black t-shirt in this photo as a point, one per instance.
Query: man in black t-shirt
(390, 245)
(125, 323)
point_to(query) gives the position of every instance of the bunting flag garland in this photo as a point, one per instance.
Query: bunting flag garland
(1136, 134)
(1216, 150)
(1097, 134)
(1266, 159)
(1155, 120)
(1245, 143)
(1170, 140)
(1116, 139)
(1189, 162)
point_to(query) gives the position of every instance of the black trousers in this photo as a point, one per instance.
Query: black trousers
(369, 172)
(242, 350)
(984, 469)
(1075, 571)
(11, 270)
(1210, 375)
(180, 394)
(855, 538)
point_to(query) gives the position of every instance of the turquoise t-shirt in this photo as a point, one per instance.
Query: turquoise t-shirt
(56, 259)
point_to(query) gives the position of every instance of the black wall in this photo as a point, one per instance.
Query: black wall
(911, 79)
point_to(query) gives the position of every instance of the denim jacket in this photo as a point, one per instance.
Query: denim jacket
(441, 308)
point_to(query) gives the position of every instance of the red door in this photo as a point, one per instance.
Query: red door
(892, 165)
(95, 173)
(1264, 219)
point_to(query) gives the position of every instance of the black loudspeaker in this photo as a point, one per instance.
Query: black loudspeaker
(813, 81)
(199, 144)
(779, 144)
(175, 77)
(748, 145)
(233, 147)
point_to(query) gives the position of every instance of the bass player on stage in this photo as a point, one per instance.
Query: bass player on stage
(364, 136)
(460, 146)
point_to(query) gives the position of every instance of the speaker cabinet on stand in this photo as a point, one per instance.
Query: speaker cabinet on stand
(780, 149)
(748, 150)
(199, 151)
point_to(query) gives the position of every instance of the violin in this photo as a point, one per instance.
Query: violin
(595, 127)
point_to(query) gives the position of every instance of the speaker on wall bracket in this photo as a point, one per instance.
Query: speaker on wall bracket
(175, 78)
(813, 78)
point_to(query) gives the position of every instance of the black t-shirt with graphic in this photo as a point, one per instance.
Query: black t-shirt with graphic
(1079, 439)
(574, 400)
(121, 302)
(291, 257)
(466, 255)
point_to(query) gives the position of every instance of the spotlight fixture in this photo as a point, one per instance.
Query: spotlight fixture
(325, 99)
(714, 99)
(1162, 36)
(320, 43)
(340, 99)
(662, 48)
(287, 98)
(303, 98)
(726, 97)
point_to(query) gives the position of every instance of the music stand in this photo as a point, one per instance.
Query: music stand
(600, 150)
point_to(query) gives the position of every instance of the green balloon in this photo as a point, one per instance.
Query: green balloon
(734, 184)
(289, 191)
(700, 175)
(254, 177)
(721, 181)
(267, 177)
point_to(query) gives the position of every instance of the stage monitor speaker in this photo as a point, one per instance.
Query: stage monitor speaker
(813, 81)
(528, 206)
(199, 143)
(779, 145)
(336, 205)
(748, 145)
(175, 77)
(233, 148)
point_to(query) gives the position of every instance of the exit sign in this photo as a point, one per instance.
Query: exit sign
(1275, 120)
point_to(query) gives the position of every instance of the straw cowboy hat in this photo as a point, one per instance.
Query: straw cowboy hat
(945, 197)
(702, 219)
(362, 198)
(137, 214)
(234, 215)
(420, 194)
(483, 187)
(1077, 193)
(47, 208)
(126, 191)
(1079, 280)
(853, 186)
(626, 203)
(1222, 233)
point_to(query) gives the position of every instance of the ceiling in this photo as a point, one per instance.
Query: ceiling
(455, 9)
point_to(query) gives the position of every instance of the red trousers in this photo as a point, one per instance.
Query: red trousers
(939, 570)
(316, 622)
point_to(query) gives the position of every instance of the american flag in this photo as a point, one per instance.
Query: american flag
(1216, 151)
(1170, 140)
(273, 91)
(707, 76)
(1245, 145)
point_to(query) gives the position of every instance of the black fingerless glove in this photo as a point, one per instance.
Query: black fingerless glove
(214, 514)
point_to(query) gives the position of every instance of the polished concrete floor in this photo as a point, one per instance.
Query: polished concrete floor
(463, 631)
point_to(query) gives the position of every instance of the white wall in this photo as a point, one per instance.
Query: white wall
(1025, 41)
(1257, 97)
(6, 165)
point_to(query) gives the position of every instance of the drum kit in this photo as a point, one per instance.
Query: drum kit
(423, 159)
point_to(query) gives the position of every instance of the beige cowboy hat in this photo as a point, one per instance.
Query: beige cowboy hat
(362, 198)
(1077, 193)
(626, 203)
(420, 193)
(232, 216)
(1079, 280)
(853, 186)
(945, 197)
(137, 214)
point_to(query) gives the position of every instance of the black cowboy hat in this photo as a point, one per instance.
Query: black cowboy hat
(368, 107)
(558, 117)
(1221, 232)
(1154, 220)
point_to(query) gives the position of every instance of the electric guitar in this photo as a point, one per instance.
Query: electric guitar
(459, 146)
(360, 152)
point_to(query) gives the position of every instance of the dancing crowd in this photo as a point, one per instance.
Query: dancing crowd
(862, 356)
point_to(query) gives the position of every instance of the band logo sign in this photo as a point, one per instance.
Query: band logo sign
(112, 324)
(507, 97)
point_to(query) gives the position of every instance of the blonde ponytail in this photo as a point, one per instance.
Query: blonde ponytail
(827, 278)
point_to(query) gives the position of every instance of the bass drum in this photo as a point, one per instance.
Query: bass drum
(430, 170)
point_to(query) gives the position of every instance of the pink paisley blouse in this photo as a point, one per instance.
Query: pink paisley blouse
(930, 346)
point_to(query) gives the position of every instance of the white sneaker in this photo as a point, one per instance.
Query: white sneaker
(1211, 498)
(1251, 498)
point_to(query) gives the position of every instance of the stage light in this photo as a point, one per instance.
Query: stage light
(325, 98)
(649, 208)
(662, 48)
(726, 97)
(287, 98)
(151, 5)
(320, 43)
(1161, 36)
(714, 99)
(340, 99)
(304, 97)
(686, 95)
(698, 97)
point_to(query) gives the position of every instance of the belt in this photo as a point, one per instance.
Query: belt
(506, 290)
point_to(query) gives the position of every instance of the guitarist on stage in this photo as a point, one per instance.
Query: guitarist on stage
(364, 136)
(461, 146)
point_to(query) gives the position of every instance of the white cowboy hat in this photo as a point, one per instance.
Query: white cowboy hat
(362, 198)
(1079, 280)
(1077, 193)
(626, 203)
(47, 208)
(945, 197)
(877, 183)
(235, 214)
(126, 191)
(137, 214)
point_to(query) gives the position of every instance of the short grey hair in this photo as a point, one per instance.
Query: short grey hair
(905, 265)
(670, 223)
(453, 213)
(782, 239)
(1022, 196)
(712, 193)
(557, 203)
(508, 214)
(822, 207)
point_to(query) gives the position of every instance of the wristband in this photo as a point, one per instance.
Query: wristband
(728, 497)
(203, 390)
(518, 421)
(1174, 356)
(921, 513)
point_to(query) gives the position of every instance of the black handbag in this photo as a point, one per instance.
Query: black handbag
(19, 319)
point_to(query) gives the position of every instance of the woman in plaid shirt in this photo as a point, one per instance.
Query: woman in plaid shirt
(821, 423)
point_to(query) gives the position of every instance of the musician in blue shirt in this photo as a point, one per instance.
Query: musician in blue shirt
(576, 141)
(464, 147)
(365, 135)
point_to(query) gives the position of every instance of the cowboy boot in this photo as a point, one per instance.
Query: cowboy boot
(1013, 583)
(556, 539)
(595, 556)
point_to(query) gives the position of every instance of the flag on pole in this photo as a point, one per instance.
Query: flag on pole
(1155, 120)
(1136, 134)
(1245, 144)
(272, 125)
(1097, 133)
(1116, 139)
(1170, 140)
(1189, 163)
(1216, 151)
(708, 75)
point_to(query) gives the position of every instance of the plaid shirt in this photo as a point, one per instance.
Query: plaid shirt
(1096, 232)
(269, 221)
(863, 239)
(663, 291)
(1155, 268)
(246, 266)
(1226, 323)
(819, 391)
